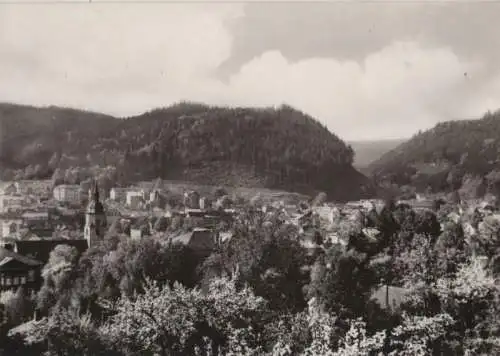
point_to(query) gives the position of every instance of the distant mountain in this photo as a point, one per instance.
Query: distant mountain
(455, 155)
(366, 152)
(270, 148)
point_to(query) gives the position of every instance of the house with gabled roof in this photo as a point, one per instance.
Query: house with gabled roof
(17, 270)
(41, 249)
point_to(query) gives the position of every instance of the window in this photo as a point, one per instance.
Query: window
(8, 281)
(16, 280)
(31, 276)
(2, 280)
(23, 280)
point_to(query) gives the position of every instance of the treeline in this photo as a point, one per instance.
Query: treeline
(446, 157)
(280, 147)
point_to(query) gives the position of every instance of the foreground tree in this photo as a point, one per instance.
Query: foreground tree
(472, 298)
(64, 332)
(16, 305)
(58, 276)
(177, 321)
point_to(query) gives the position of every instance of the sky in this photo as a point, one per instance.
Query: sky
(367, 70)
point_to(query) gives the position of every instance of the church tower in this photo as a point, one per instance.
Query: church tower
(95, 218)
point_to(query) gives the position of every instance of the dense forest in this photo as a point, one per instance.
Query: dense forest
(455, 155)
(272, 147)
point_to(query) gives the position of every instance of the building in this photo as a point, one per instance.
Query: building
(419, 204)
(34, 187)
(17, 270)
(154, 196)
(192, 200)
(84, 192)
(134, 198)
(11, 228)
(35, 216)
(326, 213)
(40, 249)
(4, 317)
(138, 233)
(8, 188)
(67, 193)
(199, 240)
(205, 203)
(10, 224)
(190, 213)
(37, 223)
(39, 220)
(95, 218)
(12, 202)
(118, 194)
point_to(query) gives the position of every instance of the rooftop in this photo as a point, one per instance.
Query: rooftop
(7, 255)
(199, 239)
(36, 215)
(41, 249)
(68, 186)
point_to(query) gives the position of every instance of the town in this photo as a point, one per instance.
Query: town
(38, 217)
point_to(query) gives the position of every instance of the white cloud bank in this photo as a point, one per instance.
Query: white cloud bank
(126, 59)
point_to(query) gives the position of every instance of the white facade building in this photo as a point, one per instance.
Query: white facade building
(118, 194)
(134, 198)
(67, 193)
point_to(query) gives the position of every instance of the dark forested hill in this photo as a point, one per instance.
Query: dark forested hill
(273, 148)
(453, 155)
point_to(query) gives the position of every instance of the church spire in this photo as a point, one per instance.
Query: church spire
(95, 218)
(94, 204)
(96, 191)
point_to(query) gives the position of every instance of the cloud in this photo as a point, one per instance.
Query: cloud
(126, 59)
(391, 93)
(113, 57)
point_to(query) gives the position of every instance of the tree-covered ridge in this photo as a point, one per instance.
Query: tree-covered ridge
(467, 147)
(271, 147)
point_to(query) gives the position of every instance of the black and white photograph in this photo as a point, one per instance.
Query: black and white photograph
(254, 178)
